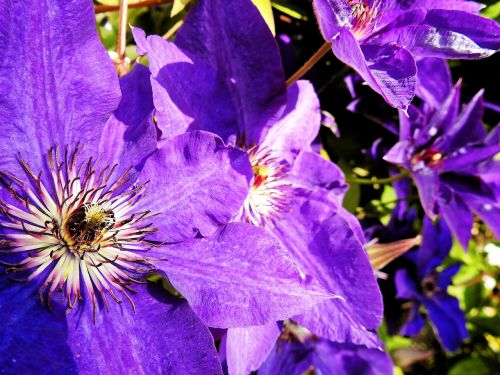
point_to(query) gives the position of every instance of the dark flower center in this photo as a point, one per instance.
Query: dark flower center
(430, 285)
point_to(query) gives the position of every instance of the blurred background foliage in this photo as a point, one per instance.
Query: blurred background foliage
(356, 142)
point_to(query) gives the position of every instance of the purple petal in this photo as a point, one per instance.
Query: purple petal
(162, 335)
(433, 80)
(300, 123)
(325, 247)
(332, 15)
(247, 58)
(398, 154)
(489, 213)
(445, 276)
(58, 84)
(130, 134)
(436, 245)
(389, 70)
(458, 217)
(248, 348)
(427, 181)
(238, 277)
(188, 94)
(196, 184)
(449, 320)
(415, 321)
(405, 286)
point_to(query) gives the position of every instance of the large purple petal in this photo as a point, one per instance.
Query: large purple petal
(248, 348)
(188, 94)
(130, 134)
(325, 247)
(163, 335)
(427, 181)
(436, 245)
(458, 217)
(196, 184)
(238, 277)
(232, 36)
(415, 321)
(58, 86)
(389, 70)
(300, 123)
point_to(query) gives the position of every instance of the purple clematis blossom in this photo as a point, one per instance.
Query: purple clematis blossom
(428, 287)
(382, 40)
(448, 154)
(297, 351)
(90, 204)
(295, 194)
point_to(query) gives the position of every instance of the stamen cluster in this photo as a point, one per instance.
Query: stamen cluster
(76, 234)
(364, 16)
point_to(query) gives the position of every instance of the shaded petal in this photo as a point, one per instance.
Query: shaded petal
(196, 183)
(458, 217)
(325, 247)
(427, 181)
(312, 171)
(489, 213)
(436, 245)
(300, 123)
(30, 331)
(247, 58)
(162, 336)
(248, 348)
(469, 156)
(389, 70)
(399, 153)
(415, 321)
(130, 134)
(433, 80)
(60, 95)
(188, 94)
(445, 276)
(238, 277)
(448, 319)
(405, 286)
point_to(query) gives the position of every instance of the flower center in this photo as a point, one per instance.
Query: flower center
(429, 156)
(271, 193)
(430, 285)
(365, 17)
(79, 234)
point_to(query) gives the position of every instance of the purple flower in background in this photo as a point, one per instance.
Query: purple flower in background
(427, 287)
(382, 40)
(449, 155)
(297, 351)
(90, 204)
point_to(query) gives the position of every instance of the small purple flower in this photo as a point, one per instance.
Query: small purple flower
(428, 287)
(450, 158)
(229, 80)
(90, 204)
(382, 40)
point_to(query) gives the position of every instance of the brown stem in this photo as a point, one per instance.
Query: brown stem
(121, 42)
(145, 3)
(318, 55)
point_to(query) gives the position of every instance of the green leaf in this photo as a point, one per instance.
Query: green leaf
(289, 10)
(473, 296)
(492, 11)
(469, 366)
(266, 10)
(488, 324)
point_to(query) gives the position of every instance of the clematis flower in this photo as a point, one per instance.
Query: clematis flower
(427, 287)
(298, 351)
(448, 153)
(229, 80)
(90, 204)
(382, 40)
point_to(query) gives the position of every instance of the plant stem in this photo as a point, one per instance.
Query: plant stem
(146, 3)
(378, 181)
(121, 42)
(318, 55)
